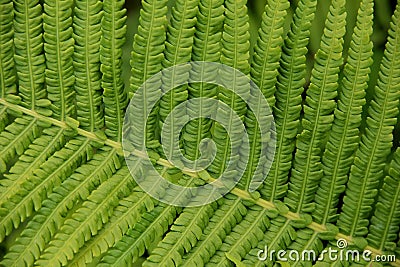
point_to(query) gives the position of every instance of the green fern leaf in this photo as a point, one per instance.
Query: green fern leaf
(289, 88)
(132, 245)
(114, 231)
(178, 48)
(38, 152)
(87, 32)
(29, 58)
(146, 62)
(307, 240)
(306, 172)
(109, 162)
(267, 51)
(344, 137)
(206, 47)
(279, 236)
(66, 197)
(16, 138)
(264, 72)
(184, 234)
(367, 170)
(114, 95)
(246, 235)
(33, 190)
(234, 53)
(230, 212)
(387, 211)
(7, 67)
(59, 47)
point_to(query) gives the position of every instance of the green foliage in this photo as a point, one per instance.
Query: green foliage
(67, 196)
(367, 172)
(319, 105)
(58, 47)
(29, 56)
(112, 39)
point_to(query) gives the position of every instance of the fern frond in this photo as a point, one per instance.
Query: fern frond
(344, 136)
(150, 228)
(7, 68)
(289, 88)
(59, 48)
(4, 119)
(53, 209)
(229, 213)
(128, 212)
(86, 61)
(178, 48)
(33, 191)
(234, 53)
(279, 236)
(366, 173)
(66, 197)
(113, 231)
(112, 39)
(267, 51)
(182, 237)
(264, 72)
(246, 235)
(29, 58)
(307, 240)
(384, 228)
(206, 47)
(306, 172)
(146, 62)
(51, 140)
(15, 139)
(79, 227)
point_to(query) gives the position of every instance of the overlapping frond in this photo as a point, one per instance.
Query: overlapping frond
(133, 244)
(65, 188)
(289, 88)
(182, 236)
(59, 48)
(230, 212)
(33, 190)
(29, 58)
(344, 137)
(320, 103)
(7, 68)
(384, 228)
(279, 236)
(146, 58)
(267, 51)
(112, 39)
(178, 48)
(264, 71)
(37, 153)
(206, 47)
(308, 241)
(234, 53)
(15, 138)
(367, 170)
(86, 62)
(53, 209)
(94, 211)
(126, 212)
(246, 235)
